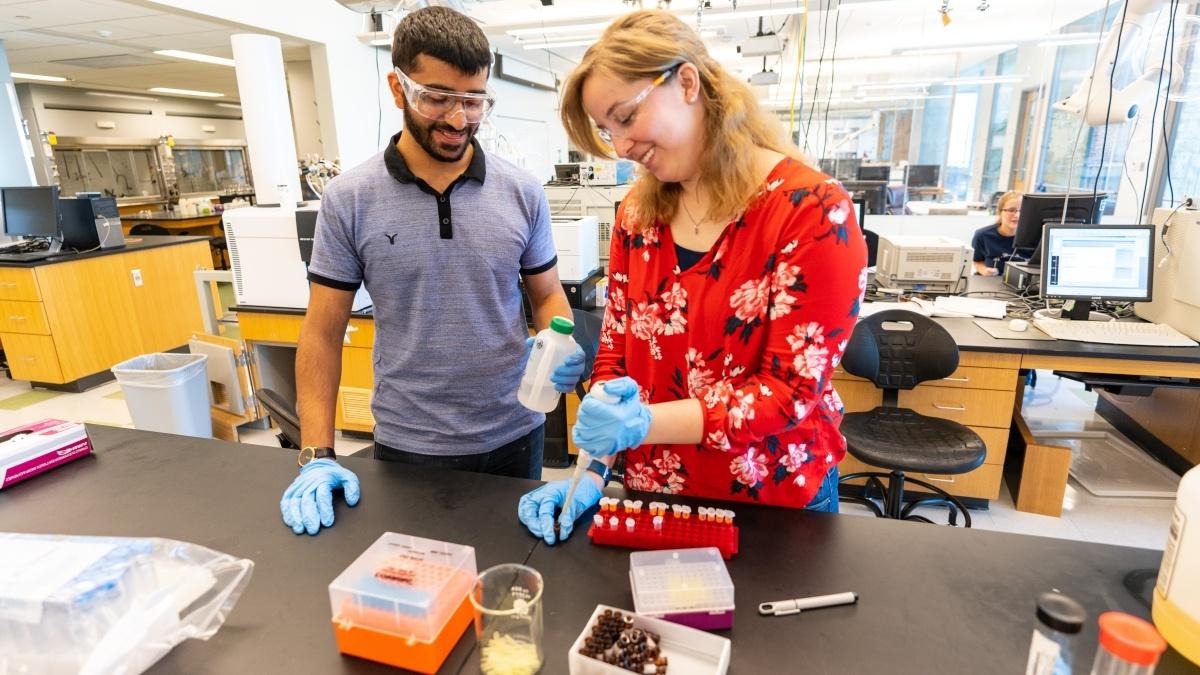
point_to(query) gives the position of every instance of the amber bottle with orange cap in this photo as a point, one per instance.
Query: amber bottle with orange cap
(1128, 646)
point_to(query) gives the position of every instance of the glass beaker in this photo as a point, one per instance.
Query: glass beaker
(508, 619)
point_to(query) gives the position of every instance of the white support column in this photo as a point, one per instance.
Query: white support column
(267, 115)
(16, 168)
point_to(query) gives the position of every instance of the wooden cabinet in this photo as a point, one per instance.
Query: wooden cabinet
(64, 321)
(979, 394)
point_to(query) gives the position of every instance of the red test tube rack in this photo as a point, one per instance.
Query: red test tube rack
(663, 526)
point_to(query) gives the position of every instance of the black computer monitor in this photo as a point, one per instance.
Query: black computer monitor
(30, 211)
(876, 172)
(1040, 208)
(847, 168)
(924, 175)
(860, 211)
(1097, 262)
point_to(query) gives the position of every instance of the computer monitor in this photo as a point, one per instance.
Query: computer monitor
(924, 175)
(860, 211)
(567, 173)
(875, 172)
(30, 211)
(1097, 263)
(1040, 208)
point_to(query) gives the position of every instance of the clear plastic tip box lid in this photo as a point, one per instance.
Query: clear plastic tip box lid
(404, 585)
(680, 580)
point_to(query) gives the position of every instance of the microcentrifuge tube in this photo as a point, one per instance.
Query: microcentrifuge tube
(658, 522)
(629, 524)
(637, 506)
(628, 504)
(612, 522)
(598, 520)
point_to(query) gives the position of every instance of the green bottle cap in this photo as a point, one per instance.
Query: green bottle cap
(560, 325)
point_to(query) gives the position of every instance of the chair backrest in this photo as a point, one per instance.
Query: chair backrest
(283, 412)
(144, 229)
(587, 334)
(872, 247)
(898, 349)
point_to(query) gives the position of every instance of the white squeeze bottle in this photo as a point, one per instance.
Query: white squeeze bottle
(550, 348)
(1177, 592)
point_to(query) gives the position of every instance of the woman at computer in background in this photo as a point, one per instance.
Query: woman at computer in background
(735, 277)
(994, 244)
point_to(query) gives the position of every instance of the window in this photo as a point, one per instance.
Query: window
(124, 173)
(1057, 173)
(960, 152)
(209, 170)
(1184, 137)
(1002, 101)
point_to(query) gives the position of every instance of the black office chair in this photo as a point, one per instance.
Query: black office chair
(148, 229)
(587, 333)
(283, 412)
(898, 350)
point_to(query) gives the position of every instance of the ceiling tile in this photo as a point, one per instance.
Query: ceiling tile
(71, 51)
(188, 41)
(166, 24)
(50, 13)
(116, 29)
(28, 39)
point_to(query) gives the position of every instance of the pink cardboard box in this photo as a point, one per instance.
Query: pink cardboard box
(35, 448)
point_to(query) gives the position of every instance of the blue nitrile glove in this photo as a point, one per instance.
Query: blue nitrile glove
(566, 375)
(307, 504)
(604, 429)
(536, 509)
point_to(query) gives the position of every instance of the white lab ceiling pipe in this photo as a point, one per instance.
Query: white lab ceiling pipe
(267, 116)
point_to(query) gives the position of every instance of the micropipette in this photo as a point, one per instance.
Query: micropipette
(581, 463)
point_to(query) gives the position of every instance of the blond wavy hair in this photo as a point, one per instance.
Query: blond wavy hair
(1004, 200)
(641, 45)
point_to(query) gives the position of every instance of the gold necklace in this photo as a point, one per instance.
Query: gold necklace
(695, 223)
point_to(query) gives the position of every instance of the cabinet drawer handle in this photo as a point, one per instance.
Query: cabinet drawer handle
(958, 408)
(934, 479)
(957, 379)
(8, 284)
(29, 358)
(13, 317)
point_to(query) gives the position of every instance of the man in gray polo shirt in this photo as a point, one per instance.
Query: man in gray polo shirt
(439, 233)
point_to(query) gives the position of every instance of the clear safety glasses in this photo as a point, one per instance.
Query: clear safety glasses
(438, 105)
(624, 112)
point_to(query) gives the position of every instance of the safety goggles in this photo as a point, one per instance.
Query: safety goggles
(438, 105)
(623, 113)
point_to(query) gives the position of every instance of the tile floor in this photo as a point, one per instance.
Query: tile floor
(1055, 403)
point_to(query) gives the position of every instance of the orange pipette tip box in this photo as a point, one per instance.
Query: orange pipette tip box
(404, 652)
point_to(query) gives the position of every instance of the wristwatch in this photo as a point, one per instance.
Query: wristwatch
(310, 453)
(600, 469)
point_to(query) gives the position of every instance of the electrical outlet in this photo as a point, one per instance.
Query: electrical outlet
(137, 277)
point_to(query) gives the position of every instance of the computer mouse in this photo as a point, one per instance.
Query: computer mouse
(1018, 325)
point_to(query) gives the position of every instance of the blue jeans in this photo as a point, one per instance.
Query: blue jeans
(521, 458)
(826, 500)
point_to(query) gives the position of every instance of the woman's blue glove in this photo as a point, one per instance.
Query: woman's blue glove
(307, 504)
(566, 375)
(536, 509)
(603, 428)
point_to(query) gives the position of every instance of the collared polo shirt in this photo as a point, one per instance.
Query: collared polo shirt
(442, 270)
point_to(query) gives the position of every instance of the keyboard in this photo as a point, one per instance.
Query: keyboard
(34, 246)
(1115, 332)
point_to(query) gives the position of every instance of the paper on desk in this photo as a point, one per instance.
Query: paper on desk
(869, 308)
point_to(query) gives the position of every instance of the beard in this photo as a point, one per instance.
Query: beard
(422, 130)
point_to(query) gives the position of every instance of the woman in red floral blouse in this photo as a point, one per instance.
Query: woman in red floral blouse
(736, 273)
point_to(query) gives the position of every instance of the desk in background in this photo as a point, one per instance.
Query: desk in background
(931, 599)
(66, 320)
(985, 394)
(175, 224)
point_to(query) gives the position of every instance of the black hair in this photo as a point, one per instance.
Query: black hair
(444, 34)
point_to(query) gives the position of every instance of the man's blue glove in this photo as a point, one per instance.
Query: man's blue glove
(603, 428)
(536, 509)
(307, 504)
(567, 374)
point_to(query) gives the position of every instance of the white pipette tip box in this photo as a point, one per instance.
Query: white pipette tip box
(688, 650)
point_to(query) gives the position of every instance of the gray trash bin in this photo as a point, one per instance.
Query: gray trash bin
(167, 392)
